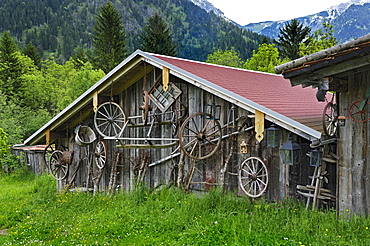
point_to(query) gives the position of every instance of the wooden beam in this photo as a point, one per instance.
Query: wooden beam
(165, 78)
(95, 100)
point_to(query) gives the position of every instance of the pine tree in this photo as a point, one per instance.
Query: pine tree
(290, 39)
(157, 37)
(109, 45)
(31, 51)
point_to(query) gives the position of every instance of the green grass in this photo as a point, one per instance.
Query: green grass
(31, 213)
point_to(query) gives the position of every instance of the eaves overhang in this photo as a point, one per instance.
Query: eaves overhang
(331, 62)
(84, 99)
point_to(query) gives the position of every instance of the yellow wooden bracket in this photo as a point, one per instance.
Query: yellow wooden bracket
(259, 125)
(95, 101)
(47, 136)
(165, 78)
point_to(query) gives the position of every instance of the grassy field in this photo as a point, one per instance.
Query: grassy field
(31, 213)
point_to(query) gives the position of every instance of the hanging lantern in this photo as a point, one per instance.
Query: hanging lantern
(342, 120)
(315, 158)
(272, 136)
(291, 152)
(243, 147)
(214, 110)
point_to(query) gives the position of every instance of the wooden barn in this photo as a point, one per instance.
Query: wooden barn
(159, 120)
(344, 70)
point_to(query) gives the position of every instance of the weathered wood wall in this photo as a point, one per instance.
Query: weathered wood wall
(156, 168)
(353, 150)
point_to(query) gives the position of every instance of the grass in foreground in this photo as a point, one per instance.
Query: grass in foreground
(31, 213)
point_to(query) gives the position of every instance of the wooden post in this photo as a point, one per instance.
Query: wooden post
(165, 78)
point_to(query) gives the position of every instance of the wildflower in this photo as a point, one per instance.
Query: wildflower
(367, 227)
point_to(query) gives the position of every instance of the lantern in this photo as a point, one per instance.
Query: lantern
(272, 136)
(291, 152)
(315, 158)
(243, 147)
(214, 110)
(324, 84)
(342, 120)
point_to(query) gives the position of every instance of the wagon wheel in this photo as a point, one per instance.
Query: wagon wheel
(356, 114)
(58, 168)
(329, 119)
(100, 154)
(253, 177)
(200, 136)
(49, 149)
(145, 107)
(109, 119)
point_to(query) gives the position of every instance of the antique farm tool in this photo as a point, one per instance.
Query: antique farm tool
(330, 117)
(253, 177)
(358, 109)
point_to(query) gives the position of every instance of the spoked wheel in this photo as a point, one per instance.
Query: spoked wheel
(357, 114)
(57, 165)
(200, 136)
(329, 119)
(253, 177)
(49, 149)
(100, 154)
(109, 119)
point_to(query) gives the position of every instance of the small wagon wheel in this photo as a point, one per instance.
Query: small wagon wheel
(109, 119)
(253, 177)
(145, 107)
(57, 166)
(357, 114)
(49, 149)
(329, 119)
(200, 136)
(100, 154)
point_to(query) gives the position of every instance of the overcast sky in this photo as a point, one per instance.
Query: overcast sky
(251, 11)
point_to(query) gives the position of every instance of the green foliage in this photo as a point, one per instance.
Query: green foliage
(290, 38)
(226, 58)
(7, 160)
(320, 40)
(108, 39)
(34, 214)
(31, 51)
(264, 59)
(57, 27)
(157, 37)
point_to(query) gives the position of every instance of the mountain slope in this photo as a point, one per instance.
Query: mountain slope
(58, 27)
(350, 20)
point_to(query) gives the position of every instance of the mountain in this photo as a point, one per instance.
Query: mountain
(58, 27)
(349, 19)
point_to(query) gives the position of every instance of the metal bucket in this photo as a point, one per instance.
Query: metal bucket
(84, 135)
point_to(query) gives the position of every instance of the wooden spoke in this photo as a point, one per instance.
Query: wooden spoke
(109, 119)
(200, 137)
(253, 177)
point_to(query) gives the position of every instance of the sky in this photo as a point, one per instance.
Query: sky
(244, 12)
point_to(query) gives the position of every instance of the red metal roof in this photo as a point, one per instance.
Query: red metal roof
(269, 90)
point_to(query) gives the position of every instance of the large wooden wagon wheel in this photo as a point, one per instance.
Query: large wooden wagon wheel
(59, 164)
(100, 154)
(253, 177)
(109, 119)
(357, 111)
(200, 136)
(330, 119)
